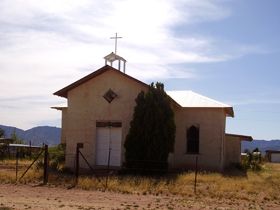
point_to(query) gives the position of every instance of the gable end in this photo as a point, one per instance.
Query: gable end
(64, 91)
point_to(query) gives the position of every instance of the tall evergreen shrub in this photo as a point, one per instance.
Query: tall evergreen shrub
(152, 130)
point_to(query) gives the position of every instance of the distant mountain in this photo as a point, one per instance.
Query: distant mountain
(262, 145)
(51, 136)
(37, 135)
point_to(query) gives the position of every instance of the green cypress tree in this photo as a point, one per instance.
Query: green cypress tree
(152, 130)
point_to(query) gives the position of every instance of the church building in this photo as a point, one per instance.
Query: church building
(100, 107)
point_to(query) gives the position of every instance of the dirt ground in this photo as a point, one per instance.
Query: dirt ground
(47, 197)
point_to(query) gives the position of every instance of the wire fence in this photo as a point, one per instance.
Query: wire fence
(19, 161)
(150, 167)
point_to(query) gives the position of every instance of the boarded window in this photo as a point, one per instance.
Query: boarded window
(193, 140)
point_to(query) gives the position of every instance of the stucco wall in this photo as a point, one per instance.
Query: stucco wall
(211, 123)
(232, 150)
(63, 125)
(86, 105)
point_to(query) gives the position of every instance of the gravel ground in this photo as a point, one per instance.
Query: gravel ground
(48, 197)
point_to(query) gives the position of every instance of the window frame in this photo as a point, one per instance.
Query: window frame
(192, 145)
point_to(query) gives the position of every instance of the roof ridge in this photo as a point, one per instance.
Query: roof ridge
(211, 99)
(64, 91)
(202, 96)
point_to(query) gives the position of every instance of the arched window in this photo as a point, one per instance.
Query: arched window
(193, 140)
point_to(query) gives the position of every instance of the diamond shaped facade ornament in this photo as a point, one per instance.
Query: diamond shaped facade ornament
(110, 96)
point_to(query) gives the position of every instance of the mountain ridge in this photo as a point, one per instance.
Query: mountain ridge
(37, 135)
(262, 145)
(51, 136)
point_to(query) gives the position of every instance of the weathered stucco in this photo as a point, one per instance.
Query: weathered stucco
(86, 106)
(232, 150)
(63, 125)
(211, 123)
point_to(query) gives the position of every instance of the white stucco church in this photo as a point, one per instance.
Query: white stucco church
(100, 107)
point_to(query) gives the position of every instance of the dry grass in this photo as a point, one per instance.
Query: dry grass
(263, 185)
(8, 171)
(260, 186)
(12, 162)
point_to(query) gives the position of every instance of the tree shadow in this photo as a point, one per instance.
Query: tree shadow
(235, 171)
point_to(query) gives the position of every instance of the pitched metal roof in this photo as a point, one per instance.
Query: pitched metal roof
(181, 98)
(24, 145)
(190, 99)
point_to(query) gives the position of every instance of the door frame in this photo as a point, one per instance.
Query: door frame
(108, 124)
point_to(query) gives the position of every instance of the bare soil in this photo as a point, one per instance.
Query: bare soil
(18, 196)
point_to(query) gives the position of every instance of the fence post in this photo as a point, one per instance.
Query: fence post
(108, 168)
(29, 151)
(17, 165)
(46, 164)
(79, 145)
(195, 176)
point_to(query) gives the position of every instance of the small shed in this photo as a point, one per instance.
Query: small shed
(8, 149)
(273, 156)
(233, 153)
(23, 149)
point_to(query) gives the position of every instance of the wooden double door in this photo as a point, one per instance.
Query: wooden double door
(108, 145)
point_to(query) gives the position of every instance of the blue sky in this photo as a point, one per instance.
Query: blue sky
(227, 50)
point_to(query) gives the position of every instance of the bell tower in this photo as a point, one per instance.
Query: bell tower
(114, 57)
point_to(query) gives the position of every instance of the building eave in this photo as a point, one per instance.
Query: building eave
(58, 108)
(64, 91)
(229, 111)
(241, 137)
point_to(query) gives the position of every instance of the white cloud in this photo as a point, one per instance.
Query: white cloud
(45, 45)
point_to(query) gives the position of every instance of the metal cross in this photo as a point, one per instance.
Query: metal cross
(116, 41)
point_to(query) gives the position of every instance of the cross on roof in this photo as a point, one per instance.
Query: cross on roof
(116, 41)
